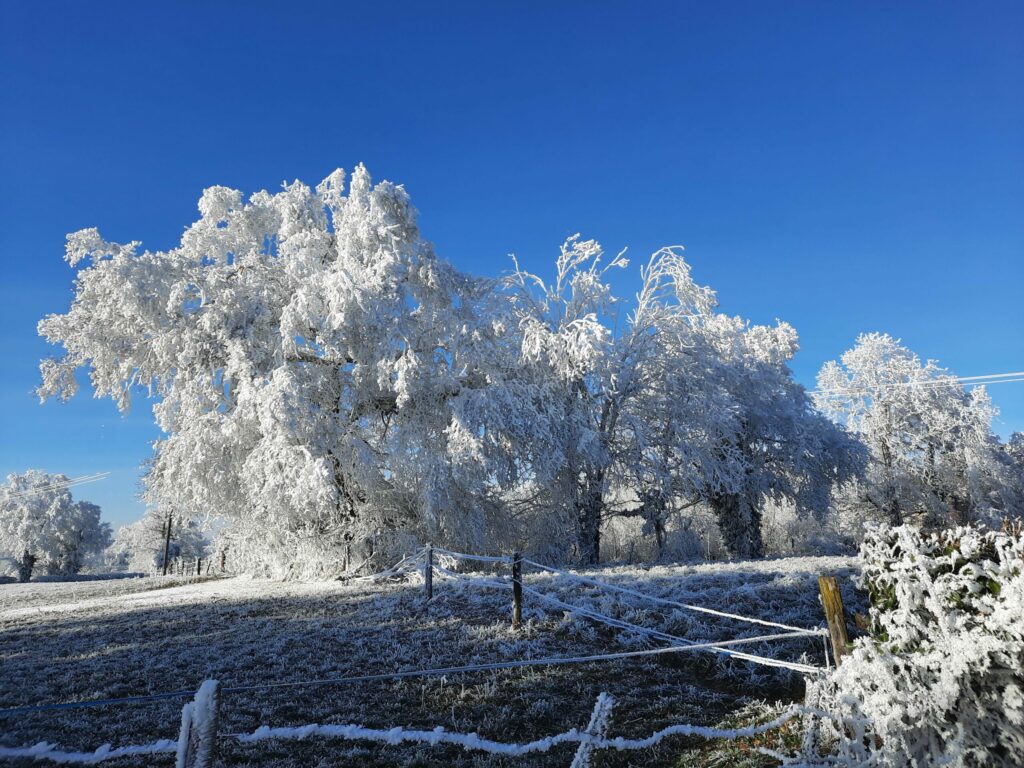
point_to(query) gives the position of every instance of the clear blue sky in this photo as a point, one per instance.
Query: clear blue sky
(846, 167)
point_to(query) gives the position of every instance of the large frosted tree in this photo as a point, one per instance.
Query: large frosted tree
(316, 367)
(41, 524)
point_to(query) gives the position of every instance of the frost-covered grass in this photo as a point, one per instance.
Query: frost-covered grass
(63, 642)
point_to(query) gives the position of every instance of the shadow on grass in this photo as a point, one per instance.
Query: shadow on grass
(244, 632)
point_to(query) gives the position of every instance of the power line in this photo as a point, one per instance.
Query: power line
(57, 486)
(991, 378)
(70, 482)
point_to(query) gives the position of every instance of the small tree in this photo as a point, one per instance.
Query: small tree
(40, 522)
(933, 453)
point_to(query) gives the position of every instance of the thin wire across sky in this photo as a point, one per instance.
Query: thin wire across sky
(970, 381)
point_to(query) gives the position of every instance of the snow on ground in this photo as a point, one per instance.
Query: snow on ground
(91, 640)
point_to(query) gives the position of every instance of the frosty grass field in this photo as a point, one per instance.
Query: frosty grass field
(106, 639)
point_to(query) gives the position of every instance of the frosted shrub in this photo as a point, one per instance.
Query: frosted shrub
(940, 678)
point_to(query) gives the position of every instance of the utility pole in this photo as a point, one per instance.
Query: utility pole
(167, 539)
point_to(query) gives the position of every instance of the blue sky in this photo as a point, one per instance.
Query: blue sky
(846, 167)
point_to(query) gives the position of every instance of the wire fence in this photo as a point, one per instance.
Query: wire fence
(195, 746)
(198, 739)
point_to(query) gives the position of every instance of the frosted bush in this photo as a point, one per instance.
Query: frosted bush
(939, 680)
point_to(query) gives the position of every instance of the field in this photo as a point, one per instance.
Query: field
(105, 639)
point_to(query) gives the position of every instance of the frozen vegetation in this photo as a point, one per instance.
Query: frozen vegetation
(332, 394)
(61, 642)
(332, 390)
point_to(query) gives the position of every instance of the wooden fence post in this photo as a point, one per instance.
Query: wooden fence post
(428, 571)
(197, 740)
(517, 590)
(832, 603)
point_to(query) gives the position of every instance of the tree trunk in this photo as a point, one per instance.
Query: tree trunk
(659, 534)
(891, 507)
(739, 522)
(25, 566)
(892, 503)
(588, 528)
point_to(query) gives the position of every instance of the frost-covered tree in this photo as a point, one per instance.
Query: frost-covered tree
(602, 392)
(1015, 458)
(41, 524)
(317, 369)
(933, 453)
(681, 405)
(783, 449)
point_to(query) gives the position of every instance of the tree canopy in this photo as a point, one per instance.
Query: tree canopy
(329, 386)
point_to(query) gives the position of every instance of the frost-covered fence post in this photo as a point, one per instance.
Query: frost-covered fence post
(832, 603)
(197, 740)
(428, 571)
(517, 589)
(597, 728)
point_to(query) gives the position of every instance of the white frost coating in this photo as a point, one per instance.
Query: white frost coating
(598, 727)
(941, 678)
(46, 751)
(473, 741)
(181, 745)
(198, 728)
(717, 647)
(662, 601)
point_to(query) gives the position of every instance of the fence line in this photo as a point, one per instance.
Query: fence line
(402, 566)
(621, 624)
(473, 741)
(715, 647)
(197, 741)
(412, 673)
(46, 751)
(663, 601)
(478, 558)
(198, 737)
